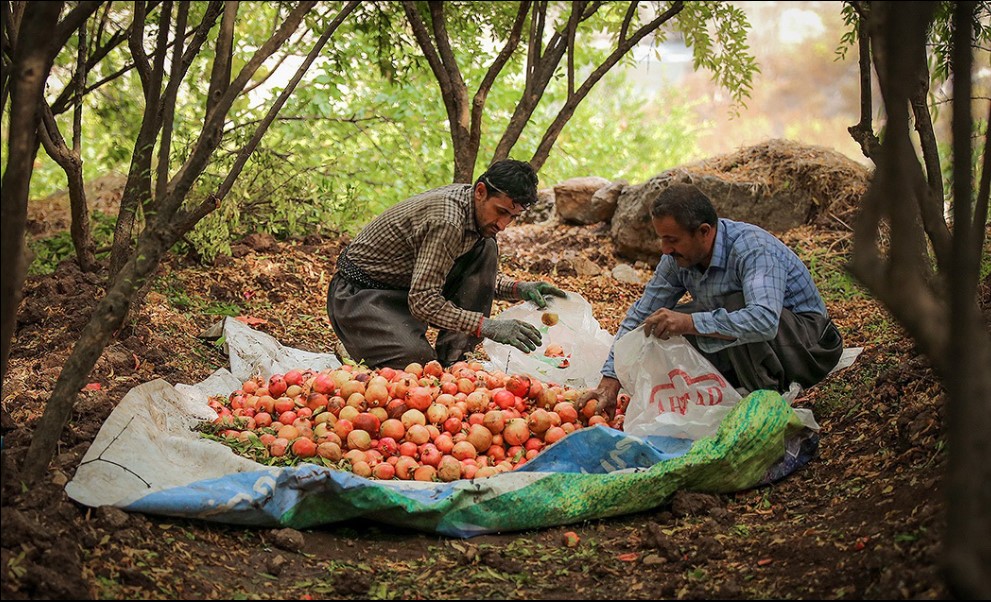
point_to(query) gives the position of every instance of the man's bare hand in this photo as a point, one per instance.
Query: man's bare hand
(605, 395)
(666, 323)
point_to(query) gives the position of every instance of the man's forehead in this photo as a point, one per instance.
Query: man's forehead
(508, 204)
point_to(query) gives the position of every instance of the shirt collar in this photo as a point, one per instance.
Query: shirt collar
(719, 250)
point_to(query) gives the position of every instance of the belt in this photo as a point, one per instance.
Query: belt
(351, 272)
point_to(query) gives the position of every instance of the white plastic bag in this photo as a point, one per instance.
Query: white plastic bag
(674, 390)
(584, 343)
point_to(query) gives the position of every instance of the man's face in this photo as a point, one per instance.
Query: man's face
(494, 211)
(687, 248)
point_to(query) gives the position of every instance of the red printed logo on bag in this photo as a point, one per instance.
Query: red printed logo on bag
(673, 396)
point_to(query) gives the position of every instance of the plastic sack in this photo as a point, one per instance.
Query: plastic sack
(674, 390)
(584, 343)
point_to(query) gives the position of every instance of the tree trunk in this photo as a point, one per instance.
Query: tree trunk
(968, 380)
(72, 164)
(30, 65)
(941, 315)
(162, 232)
(106, 319)
(137, 190)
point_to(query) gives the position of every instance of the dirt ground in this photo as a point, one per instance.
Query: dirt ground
(863, 520)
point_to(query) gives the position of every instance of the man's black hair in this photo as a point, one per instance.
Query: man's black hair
(688, 205)
(514, 178)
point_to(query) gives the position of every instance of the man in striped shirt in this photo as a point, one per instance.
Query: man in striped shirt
(754, 311)
(433, 260)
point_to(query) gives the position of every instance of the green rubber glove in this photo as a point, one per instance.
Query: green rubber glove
(535, 291)
(517, 333)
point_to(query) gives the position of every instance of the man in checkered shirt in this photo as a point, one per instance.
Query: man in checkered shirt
(755, 312)
(432, 260)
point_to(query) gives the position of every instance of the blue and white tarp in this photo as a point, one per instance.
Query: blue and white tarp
(148, 459)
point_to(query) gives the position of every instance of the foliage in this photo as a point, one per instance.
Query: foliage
(717, 34)
(368, 127)
(616, 135)
(940, 36)
(50, 251)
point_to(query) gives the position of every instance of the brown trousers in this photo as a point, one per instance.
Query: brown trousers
(806, 347)
(377, 328)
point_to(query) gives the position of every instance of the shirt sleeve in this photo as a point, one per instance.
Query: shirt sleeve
(434, 261)
(663, 290)
(505, 288)
(764, 278)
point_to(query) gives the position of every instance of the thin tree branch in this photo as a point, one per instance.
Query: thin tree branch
(206, 144)
(136, 44)
(478, 102)
(169, 102)
(187, 220)
(269, 74)
(622, 47)
(80, 83)
(965, 263)
(72, 21)
(981, 205)
(863, 132)
(220, 77)
(71, 94)
(631, 11)
(572, 28)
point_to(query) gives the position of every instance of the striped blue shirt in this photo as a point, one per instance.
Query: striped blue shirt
(745, 258)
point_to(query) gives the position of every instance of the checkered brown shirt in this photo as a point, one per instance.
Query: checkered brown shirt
(413, 245)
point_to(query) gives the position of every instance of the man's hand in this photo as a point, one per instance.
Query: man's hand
(666, 323)
(535, 291)
(605, 394)
(517, 333)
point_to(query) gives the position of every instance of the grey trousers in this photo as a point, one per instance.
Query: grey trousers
(806, 347)
(376, 327)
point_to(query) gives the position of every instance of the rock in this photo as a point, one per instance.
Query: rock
(275, 564)
(625, 273)
(606, 198)
(585, 266)
(59, 479)
(289, 540)
(571, 264)
(632, 231)
(777, 185)
(576, 202)
(111, 517)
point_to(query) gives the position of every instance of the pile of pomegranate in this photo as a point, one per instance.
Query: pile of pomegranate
(422, 423)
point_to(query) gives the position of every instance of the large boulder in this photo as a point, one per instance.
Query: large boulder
(578, 202)
(777, 185)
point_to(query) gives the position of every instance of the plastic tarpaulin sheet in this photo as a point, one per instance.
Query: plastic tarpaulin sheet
(147, 459)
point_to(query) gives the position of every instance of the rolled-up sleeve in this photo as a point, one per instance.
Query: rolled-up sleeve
(506, 288)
